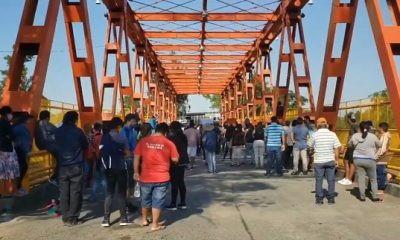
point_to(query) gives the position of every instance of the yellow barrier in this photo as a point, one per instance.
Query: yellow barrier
(41, 165)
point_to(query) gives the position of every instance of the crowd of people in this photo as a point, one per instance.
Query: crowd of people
(129, 157)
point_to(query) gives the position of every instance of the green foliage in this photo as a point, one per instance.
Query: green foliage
(182, 101)
(215, 100)
(382, 93)
(26, 82)
(293, 100)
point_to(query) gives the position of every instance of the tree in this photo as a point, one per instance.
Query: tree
(383, 94)
(182, 102)
(293, 100)
(26, 82)
(215, 100)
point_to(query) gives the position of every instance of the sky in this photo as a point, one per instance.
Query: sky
(364, 73)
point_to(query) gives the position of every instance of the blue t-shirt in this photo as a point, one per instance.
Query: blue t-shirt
(274, 133)
(130, 135)
(300, 137)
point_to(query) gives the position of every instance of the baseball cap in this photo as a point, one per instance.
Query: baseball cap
(321, 121)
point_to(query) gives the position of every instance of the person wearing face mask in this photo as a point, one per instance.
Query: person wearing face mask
(9, 167)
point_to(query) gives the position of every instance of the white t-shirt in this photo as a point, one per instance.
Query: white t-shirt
(324, 142)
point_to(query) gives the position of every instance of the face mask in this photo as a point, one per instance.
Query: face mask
(9, 117)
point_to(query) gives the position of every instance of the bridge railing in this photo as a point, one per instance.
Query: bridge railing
(376, 109)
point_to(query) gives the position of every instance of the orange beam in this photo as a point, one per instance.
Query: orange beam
(223, 35)
(210, 17)
(209, 71)
(205, 65)
(197, 47)
(197, 57)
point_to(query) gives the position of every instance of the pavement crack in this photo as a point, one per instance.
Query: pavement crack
(246, 227)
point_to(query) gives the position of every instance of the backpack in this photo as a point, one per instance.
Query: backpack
(112, 153)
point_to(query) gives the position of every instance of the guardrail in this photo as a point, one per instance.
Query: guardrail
(41, 165)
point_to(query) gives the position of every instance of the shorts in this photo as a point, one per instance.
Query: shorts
(381, 176)
(349, 155)
(153, 194)
(192, 151)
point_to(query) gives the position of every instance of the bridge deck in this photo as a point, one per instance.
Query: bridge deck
(235, 204)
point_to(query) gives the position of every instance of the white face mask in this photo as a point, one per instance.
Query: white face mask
(9, 116)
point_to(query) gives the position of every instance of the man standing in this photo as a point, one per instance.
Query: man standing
(45, 138)
(193, 137)
(154, 154)
(300, 135)
(71, 143)
(326, 148)
(249, 131)
(275, 136)
(113, 149)
(129, 133)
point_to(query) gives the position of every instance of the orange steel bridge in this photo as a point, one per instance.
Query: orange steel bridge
(173, 48)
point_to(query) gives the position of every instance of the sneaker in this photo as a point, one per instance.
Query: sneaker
(172, 207)
(319, 202)
(331, 201)
(105, 222)
(182, 206)
(295, 173)
(124, 221)
(362, 199)
(347, 182)
(75, 221)
(342, 181)
(305, 173)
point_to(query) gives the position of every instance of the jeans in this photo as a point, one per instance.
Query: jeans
(114, 178)
(304, 159)
(321, 170)
(288, 157)
(178, 184)
(274, 158)
(153, 194)
(237, 154)
(249, 151)
(129, 164)
(212, 165)
(259, 149)
(366, 167)
(87, 173)
(381, 176)
(23, 165)
(71, 182)
(99, 184)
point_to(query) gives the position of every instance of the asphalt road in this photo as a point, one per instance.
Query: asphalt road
(237, 203)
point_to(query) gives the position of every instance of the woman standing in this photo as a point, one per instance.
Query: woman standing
(9, 168)
(177, 171)
(238, 145)
(259, 145)
(365, 146)
(23, 146)
(210, 142)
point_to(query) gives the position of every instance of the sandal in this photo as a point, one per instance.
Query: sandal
(159, 228)
(148, 222)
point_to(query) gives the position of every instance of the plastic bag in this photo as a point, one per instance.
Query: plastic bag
(136, 193)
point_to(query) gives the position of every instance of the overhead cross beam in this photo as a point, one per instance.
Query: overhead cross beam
(211, 17)
(221, 35)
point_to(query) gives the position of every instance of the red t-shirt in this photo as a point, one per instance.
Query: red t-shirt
(156, 153)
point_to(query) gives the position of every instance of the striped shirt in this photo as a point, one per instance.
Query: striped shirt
(324, 142)
(274, 134)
